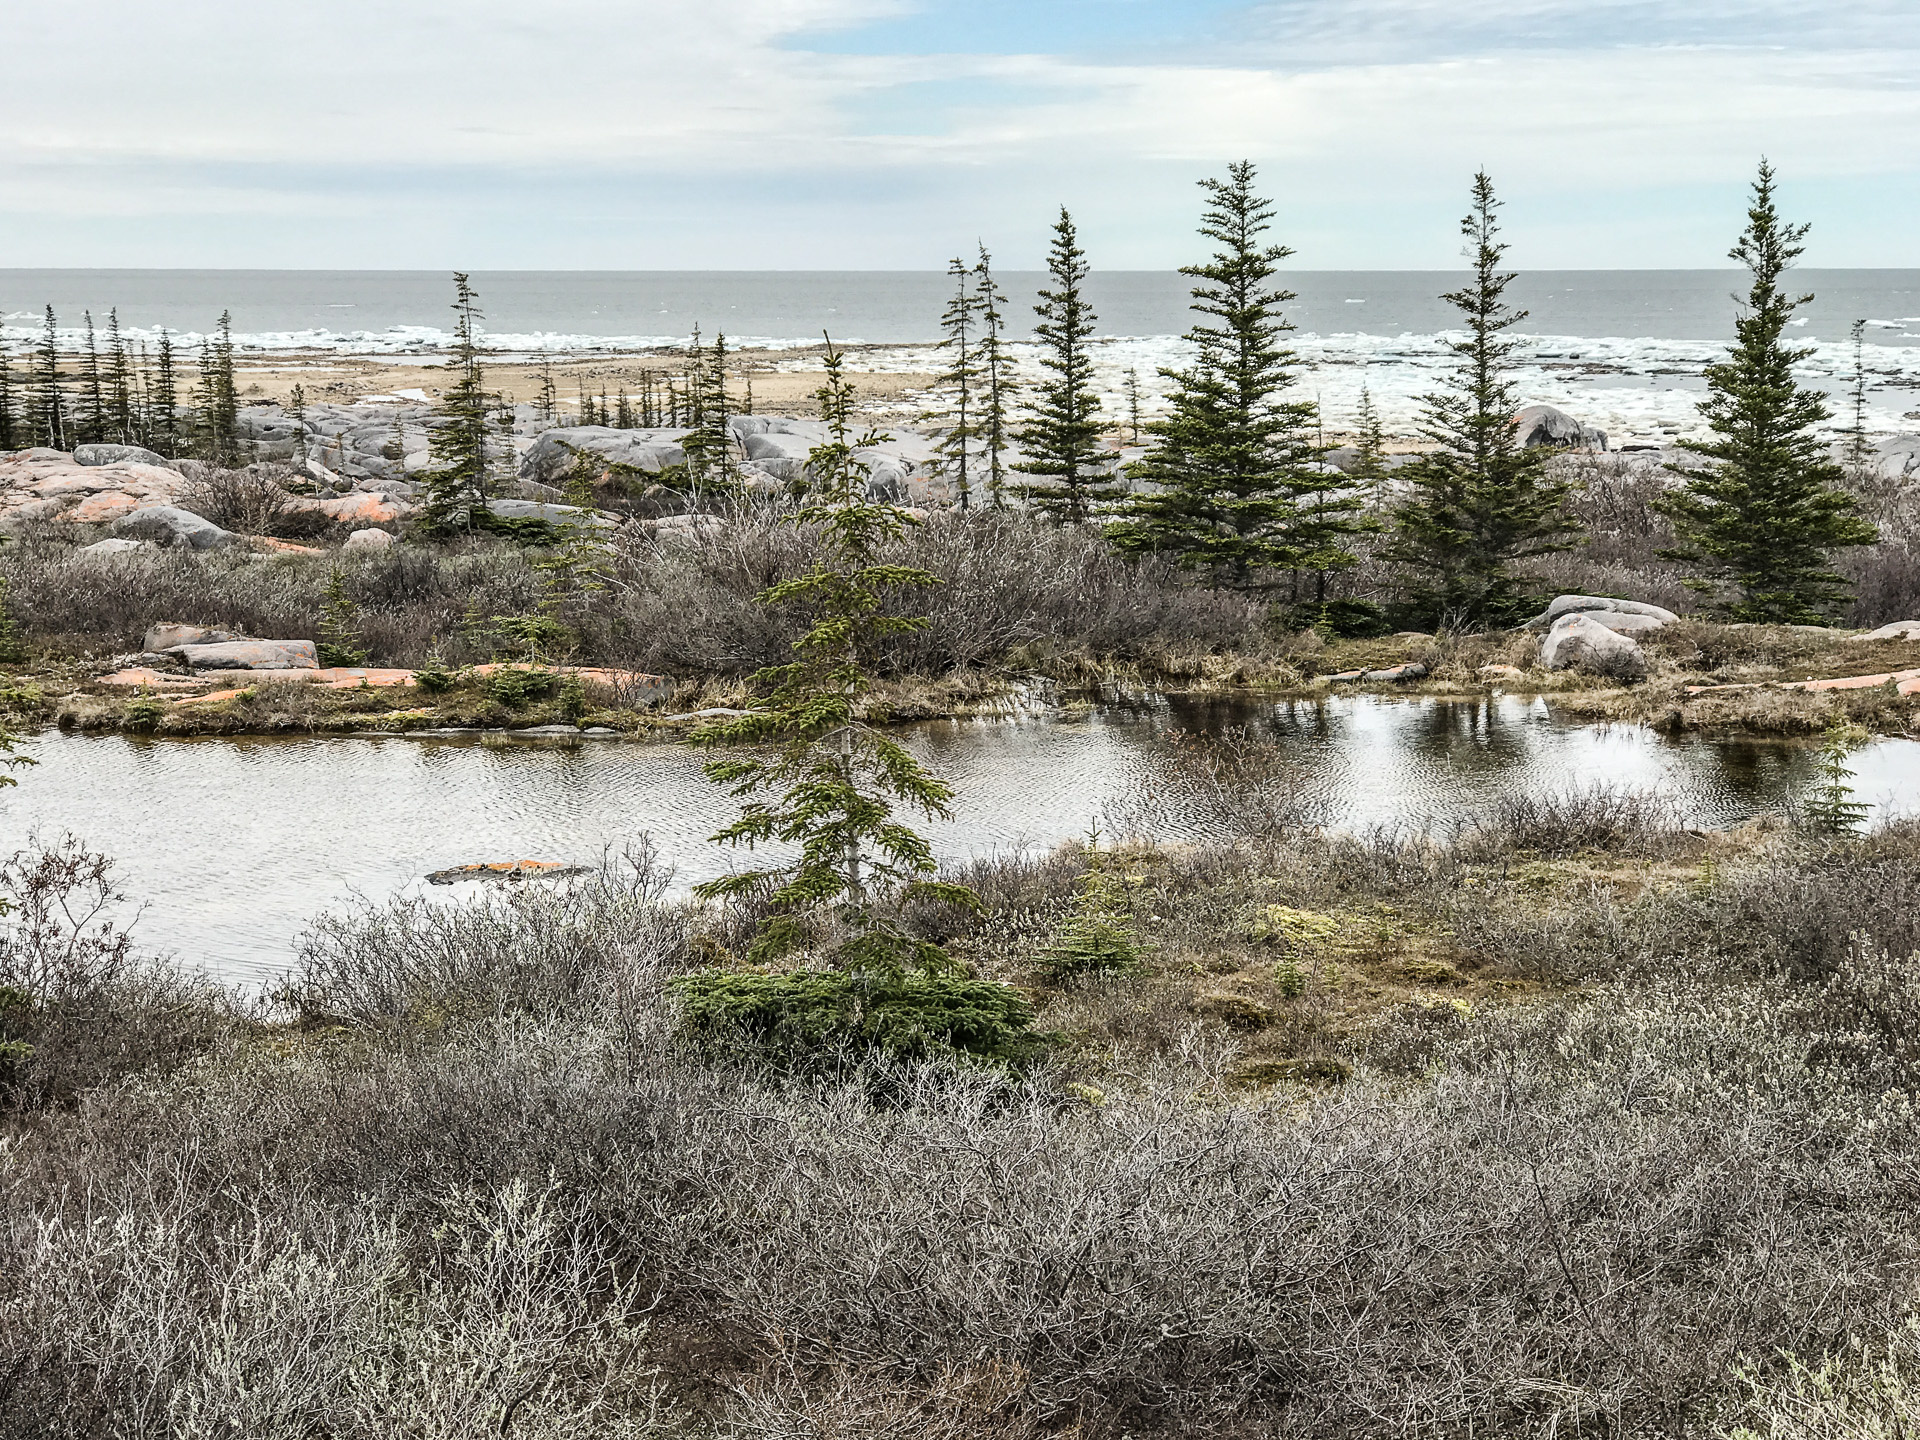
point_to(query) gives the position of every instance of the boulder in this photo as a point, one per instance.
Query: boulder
(1578, 642)
(1571, 604)
(1397, 674)
(1892, 630)
(366, 507)
(170, 525)
(369, 540)
(1539, 425)
(1622, 622)
(115, 547)
(249, 655)
(91, 455)
(166, 635)
(553, 457)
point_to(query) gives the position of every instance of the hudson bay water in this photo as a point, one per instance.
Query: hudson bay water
(1621, 349)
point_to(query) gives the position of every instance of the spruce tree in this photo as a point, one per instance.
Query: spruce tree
(1857, 451)
(163, 429)
(836, 783)
(709, 445)
(1133, 405)
(50, 418)
(963, 370)
(1369, 470)
(1241, 493)
(219, 401)
(1764, 513)
(10, 427)
(91, 428)
(119, 384)
(1060, 439)
(1480, 502)
(456, 485)
(996, 376)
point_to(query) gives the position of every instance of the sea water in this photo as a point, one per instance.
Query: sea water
(1621, 349)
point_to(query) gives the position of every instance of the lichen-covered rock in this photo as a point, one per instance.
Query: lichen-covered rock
(1892, 630)
(1579, 642)
(1591, 604)
(166, 634)
(369, 540)
(170, 525)
(249, 655)
(116, 455)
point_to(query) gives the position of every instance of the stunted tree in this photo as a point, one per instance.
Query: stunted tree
(997, 384)
(1764, 512)
(457, 484)
(163, 401)
(218, 399)
(1369, 470)
(711, 464)
(1481, 501)
(834, 784)
(960, 377)
(1240, 492)
(50, 409)
(1060, 439)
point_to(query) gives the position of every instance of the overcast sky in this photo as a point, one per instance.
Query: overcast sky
(847, 134)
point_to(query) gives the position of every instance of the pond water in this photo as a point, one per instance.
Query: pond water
(232, 846)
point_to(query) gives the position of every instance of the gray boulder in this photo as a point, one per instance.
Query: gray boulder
(166, 635)
(170, 525)
(1593, 604)
(116, 455)
(249, 655)
(1892, 630)
(1539, 425)
(1579, 642)
(115, 547)
(552, 458)
(369, 540)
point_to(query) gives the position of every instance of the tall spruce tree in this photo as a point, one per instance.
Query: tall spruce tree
(997, 384)
(10, 426)
(1765, 512)
(91, 426)
(836, 782)
(119, 383)
(1241, 493)
(163, 401)
(457, 484)
(218, 401)
(1060, 438)
(711, 463)
(1857, 451)
(961, 377)
(50, 409)
(1480, 500)
(1369, 469)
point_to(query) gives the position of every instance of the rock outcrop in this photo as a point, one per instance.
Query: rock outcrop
(1578, 641)
(1544, 425)
(1606, 611)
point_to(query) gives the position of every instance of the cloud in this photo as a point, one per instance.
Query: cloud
(771, 133)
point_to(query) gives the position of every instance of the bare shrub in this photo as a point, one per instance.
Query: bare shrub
(1599, 818)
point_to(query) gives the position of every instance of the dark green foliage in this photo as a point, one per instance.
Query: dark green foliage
(961, 376)
(11, 428)
(1830, 806)
(1097, 938)
(121, 426)
(514, 685)
(163, 404)
(340, 625)
(143, 712)
(219, 402)
(806, 1018)
(1060, 440)
(1763, 516)
(1369, 470)
(711, 464)
(1342, 619)
(91, 423)
(835, 780)
(1480, 501)
(997, 386)
(433, 676)
(457, 485)
(1240, 491)
(50, 409)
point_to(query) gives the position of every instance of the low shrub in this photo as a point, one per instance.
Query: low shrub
(807, 1019)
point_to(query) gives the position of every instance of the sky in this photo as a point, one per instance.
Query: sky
(856, 134)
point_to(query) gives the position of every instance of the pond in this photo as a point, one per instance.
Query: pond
(233, 845)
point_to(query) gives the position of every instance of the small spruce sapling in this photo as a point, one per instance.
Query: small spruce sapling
(1097, 937)
(339, 625)
(832, 783)
(1830, 806)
